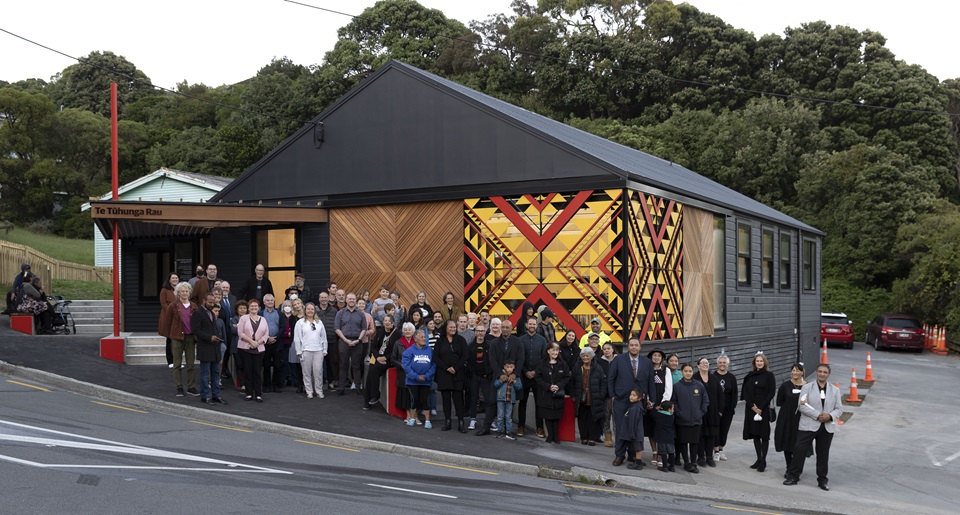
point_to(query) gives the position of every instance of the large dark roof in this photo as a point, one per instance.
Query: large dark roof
(592, 156)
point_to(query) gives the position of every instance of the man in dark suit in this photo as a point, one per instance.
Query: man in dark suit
(629, 371)
(204, 326)
(502, 346)
(227, 304)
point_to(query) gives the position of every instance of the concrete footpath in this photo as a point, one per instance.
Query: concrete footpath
(876, 466)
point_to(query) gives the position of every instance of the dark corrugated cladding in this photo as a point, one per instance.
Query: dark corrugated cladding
(404, 128)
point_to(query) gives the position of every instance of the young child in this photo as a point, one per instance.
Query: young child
(664, 433)
(633, 428)
(507, 393)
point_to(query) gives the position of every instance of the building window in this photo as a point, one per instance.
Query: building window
(809, 267)
(766, 258)
(785, 252)
(154, 271)
(743, 255)
(719, 274)
(277, 252)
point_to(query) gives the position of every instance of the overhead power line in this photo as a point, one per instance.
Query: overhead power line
(168, 90)
(653, 75)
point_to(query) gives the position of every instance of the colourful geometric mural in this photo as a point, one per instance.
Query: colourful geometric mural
(571, 252)
(655, 267)
(563, 250)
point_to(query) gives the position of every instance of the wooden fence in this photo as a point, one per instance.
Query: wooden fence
(48, 268)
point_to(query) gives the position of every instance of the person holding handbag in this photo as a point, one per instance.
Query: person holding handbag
(253, 332)
(759, 387)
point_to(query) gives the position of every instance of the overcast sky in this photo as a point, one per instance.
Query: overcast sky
(222, 42)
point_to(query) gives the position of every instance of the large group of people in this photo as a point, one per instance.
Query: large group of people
(339, 342)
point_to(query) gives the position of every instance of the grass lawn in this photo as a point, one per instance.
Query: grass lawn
(83, 290)
(64, 249)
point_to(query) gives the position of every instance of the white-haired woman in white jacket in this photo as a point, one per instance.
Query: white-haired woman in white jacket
(310, 344)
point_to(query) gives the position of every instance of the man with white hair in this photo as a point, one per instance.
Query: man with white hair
(502, 346)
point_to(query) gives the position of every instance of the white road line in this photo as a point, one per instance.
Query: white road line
(953, 457)
(411, 491)
(930, 455)
(118, 448)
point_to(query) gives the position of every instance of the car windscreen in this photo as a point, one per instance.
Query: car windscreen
(833, 320)
(902, 323)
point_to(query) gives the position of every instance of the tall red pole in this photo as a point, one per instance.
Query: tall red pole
(115, 166)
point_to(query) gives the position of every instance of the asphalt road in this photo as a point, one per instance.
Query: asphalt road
(62, 452)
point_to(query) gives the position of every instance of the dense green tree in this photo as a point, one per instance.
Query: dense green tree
(197, 149)
(931, 247)
(86, 85)
(25, 120)
(861, 198)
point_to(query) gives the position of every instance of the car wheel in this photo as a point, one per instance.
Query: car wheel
(850, 346)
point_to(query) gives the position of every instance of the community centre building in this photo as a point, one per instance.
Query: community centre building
(420, 183)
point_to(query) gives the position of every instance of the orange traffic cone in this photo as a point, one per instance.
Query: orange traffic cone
(926, 336)
(868, 375)
(941, 345)
(823, 354)
(853, 397)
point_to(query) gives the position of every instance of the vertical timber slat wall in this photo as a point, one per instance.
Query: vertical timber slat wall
(698, 273)
(409, 247)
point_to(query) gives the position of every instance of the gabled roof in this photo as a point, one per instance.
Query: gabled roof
(463, 119)
(210, 182)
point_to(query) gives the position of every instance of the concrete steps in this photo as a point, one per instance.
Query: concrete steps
(145, 349)
(92, 316)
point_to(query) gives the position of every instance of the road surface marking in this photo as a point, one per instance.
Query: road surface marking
(411, 491)
(743, 510)
(108, 446)
(593, 488)
(118, 407)
(459, 468)
(936, 463)
(28, 385)
(221, 427)
(328, 445)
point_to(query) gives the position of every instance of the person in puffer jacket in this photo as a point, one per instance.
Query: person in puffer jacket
(419, 367)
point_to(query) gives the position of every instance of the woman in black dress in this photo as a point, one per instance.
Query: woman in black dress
(450, 355)
(788, 396)
(552, 377)
(759, 387)
(710, 427)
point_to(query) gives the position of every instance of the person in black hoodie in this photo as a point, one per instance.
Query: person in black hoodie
(690, 404)
(480, 376)
(759, 387)
(381, 348)
(450, 356)
(710, 427)
(502, 345)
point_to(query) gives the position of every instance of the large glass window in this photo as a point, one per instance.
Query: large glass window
(809, 265)
(743, 255)
(277, 251)
(719, 273)
(766, 258)
(785, 268)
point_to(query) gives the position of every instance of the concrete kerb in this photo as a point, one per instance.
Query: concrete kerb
(215, 417)
(699, 491)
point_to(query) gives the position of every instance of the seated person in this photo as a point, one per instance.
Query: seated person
(14, 296)
(35, 303)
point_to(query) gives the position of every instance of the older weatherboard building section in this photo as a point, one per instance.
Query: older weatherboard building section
(429, 185)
